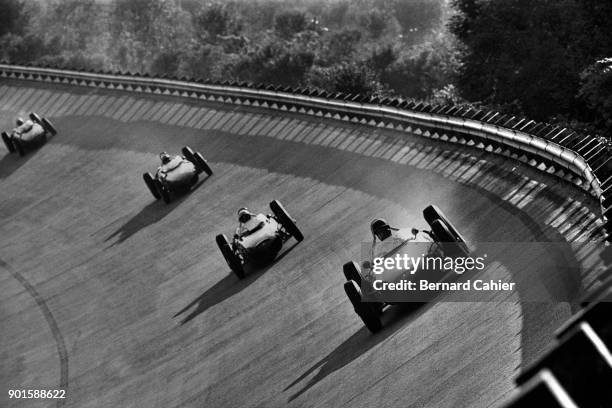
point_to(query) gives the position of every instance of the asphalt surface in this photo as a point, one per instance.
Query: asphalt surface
(125, 301)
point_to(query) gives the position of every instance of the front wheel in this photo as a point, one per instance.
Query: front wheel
(202, 164)
(150, 182)
(18, 146)
(35, 118)
(230, 257)
(188, 153)
(352, 272)
(433, 213)
(163, 192)
(450, 245)
(46, 123)
(285, 220)
(8, 143)
(366, 311)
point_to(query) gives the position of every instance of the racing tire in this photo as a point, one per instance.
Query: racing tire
(8, 143)
(286, 221)
(46, 123)
(352, 272)
(189, 154)
(35, 118)
(18, 146)
(164, 193)
(150, 182)
(450, 245)
(230, 257)
(432, 213)
(202, 165)
(367, 313)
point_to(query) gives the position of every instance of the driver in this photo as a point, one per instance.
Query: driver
(248, 221)
(387, 240)
(167, 163)
(23, 126)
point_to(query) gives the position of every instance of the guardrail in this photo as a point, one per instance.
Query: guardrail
(583, 160)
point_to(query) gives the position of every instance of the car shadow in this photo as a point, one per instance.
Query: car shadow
(358, 344)
(227, 287)
(11, 162)
(150, 214)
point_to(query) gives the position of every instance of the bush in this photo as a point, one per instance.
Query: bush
(348, 78)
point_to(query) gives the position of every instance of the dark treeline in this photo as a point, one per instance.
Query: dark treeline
(533, 57)
(543, 58)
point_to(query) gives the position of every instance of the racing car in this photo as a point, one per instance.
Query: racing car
(442, 240)
(28, 134)
(259, 238)
(177, 175)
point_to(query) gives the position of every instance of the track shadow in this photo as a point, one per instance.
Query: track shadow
(152, 213)
(227, 287)
(358, 344)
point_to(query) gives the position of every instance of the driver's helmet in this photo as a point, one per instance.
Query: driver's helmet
(19, 121)
(244, 215)
(165, 157)
(380, 228)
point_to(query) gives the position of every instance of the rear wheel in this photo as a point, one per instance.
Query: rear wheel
(352, 272)
(285, 220)
(46, 123)
(7, 142)
(368, 314)
(150, 182)
(230, 257)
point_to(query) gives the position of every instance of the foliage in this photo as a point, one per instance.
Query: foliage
(596, 91)
(347, 78)
(349, 46)
(11, 17)
(530, 51)
(289, 23)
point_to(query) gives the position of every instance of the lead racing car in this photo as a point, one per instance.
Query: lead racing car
(258, 238)
(28, 134)
(443, 240)
(177, 174)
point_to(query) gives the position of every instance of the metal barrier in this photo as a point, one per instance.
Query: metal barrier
(583, 160)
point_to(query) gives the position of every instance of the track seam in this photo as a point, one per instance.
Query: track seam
(55, 331)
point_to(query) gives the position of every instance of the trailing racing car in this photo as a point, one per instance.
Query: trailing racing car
(28, 134)
(177, 174)
(442, 241)
(258, 238)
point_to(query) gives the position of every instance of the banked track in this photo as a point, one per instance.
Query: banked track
(127, 302)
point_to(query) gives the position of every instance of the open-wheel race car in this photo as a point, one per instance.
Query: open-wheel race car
(442, 241)
(258, 238)
(177, 174)
(28, 134)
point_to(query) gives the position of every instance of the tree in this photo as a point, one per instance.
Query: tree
(143, 29)
(596, 91)
(289, 23)
(214, 19)
(12, 18)
(529, 51)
